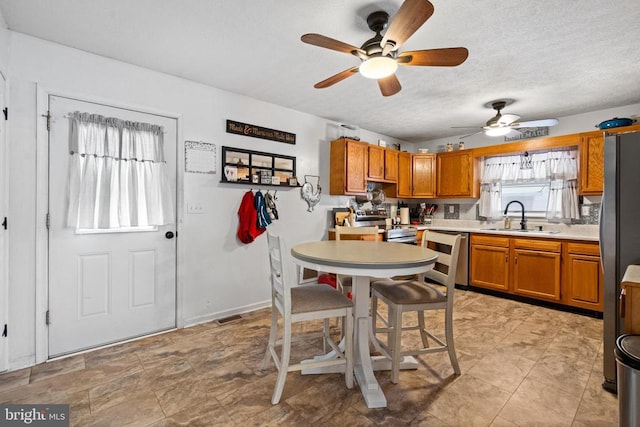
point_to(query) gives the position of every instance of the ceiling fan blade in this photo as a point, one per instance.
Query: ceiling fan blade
(336, 78)
(471, 134)
(448, 57)
(411, 15)
(535, 123)
(333, 44)
(507, 119)
(465, 127)
(389, 85)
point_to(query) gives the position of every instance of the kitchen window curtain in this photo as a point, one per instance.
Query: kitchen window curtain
(560, 168)
(117, 174)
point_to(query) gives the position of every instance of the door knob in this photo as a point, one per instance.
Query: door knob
(169, 234)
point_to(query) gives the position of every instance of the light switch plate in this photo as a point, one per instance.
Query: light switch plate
(195, 208)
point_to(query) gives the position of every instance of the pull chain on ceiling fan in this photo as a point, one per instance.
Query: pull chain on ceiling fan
(380, 56)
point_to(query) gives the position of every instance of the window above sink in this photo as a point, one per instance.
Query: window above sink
(533, 195)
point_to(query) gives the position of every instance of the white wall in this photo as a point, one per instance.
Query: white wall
(4, 44)
(567, 125)
(219, 275)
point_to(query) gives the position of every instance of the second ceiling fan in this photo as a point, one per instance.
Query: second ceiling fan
(380, 56)
(503, 124)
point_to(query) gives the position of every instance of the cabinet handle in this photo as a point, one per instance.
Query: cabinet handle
(506, 258)
(515, 259)
(623, 298)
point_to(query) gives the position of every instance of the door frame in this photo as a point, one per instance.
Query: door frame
(4, 239)
(42, 206)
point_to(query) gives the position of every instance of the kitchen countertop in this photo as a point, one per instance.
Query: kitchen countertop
(551, 231)
(586, 233)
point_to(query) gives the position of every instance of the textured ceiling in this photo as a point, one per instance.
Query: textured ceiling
(554, 57)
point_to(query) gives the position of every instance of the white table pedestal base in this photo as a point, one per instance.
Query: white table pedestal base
(364, 363)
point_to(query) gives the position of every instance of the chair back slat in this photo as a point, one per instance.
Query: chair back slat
(365, 233)
(279, 284)
(448, 248)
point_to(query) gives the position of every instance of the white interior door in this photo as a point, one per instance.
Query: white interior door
(4, 291)
(111, 286)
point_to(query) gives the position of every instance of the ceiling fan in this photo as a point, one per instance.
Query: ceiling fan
(502, 124)
(380, 56)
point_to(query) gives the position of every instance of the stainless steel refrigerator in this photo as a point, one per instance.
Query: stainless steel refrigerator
(619, 234)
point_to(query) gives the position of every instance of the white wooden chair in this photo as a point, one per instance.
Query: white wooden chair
(416, 295)
(356, 233)
(299, 304)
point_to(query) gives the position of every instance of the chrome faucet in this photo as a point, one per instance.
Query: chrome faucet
(523, 222)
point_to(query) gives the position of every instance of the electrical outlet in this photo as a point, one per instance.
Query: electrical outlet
(195, 208)
(586, 210)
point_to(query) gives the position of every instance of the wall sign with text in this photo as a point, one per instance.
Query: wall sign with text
(260, 132)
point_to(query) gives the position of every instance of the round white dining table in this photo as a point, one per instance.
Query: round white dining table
(363, 260)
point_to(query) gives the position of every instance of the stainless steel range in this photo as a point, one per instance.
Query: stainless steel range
(392, 233)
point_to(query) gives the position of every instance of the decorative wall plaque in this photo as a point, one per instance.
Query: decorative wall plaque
(526, 133)
(254, 131)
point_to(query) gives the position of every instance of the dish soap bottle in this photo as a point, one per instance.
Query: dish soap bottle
(507, 223)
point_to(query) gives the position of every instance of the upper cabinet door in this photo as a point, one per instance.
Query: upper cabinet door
(591, 163)
(376, 163)
(391, 165)
(403, 188)
(424, 175)
(348, 171)
(456, 174)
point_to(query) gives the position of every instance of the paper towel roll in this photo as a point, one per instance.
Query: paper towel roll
(404, 216)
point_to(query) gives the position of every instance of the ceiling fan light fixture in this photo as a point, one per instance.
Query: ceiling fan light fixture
(498, 131)
(378, 67)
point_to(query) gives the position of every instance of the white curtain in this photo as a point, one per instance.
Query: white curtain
(508, 168)
(117, 174)
(490, 200)
(563, 200)
(558, 167)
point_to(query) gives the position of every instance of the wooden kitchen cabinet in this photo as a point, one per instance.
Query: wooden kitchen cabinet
(592, 159)
(382, 164)
(630, 300)
(423, 175)
(376, 163)
(489, 262)
(560, 271)
(391, 165)
(583, 284)
(456, 174)
(591, 163)
(348, 167)
(403, 187)
(536, 268)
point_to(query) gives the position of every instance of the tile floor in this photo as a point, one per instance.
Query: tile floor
(522, 365)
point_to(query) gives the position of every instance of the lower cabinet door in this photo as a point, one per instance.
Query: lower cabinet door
(584, 281)
(536, 274)
(490, 267)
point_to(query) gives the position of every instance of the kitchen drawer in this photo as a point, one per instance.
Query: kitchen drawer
(583, 248)
(483, 239)
(538, 245)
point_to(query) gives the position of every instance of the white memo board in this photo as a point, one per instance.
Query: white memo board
(199, 157)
